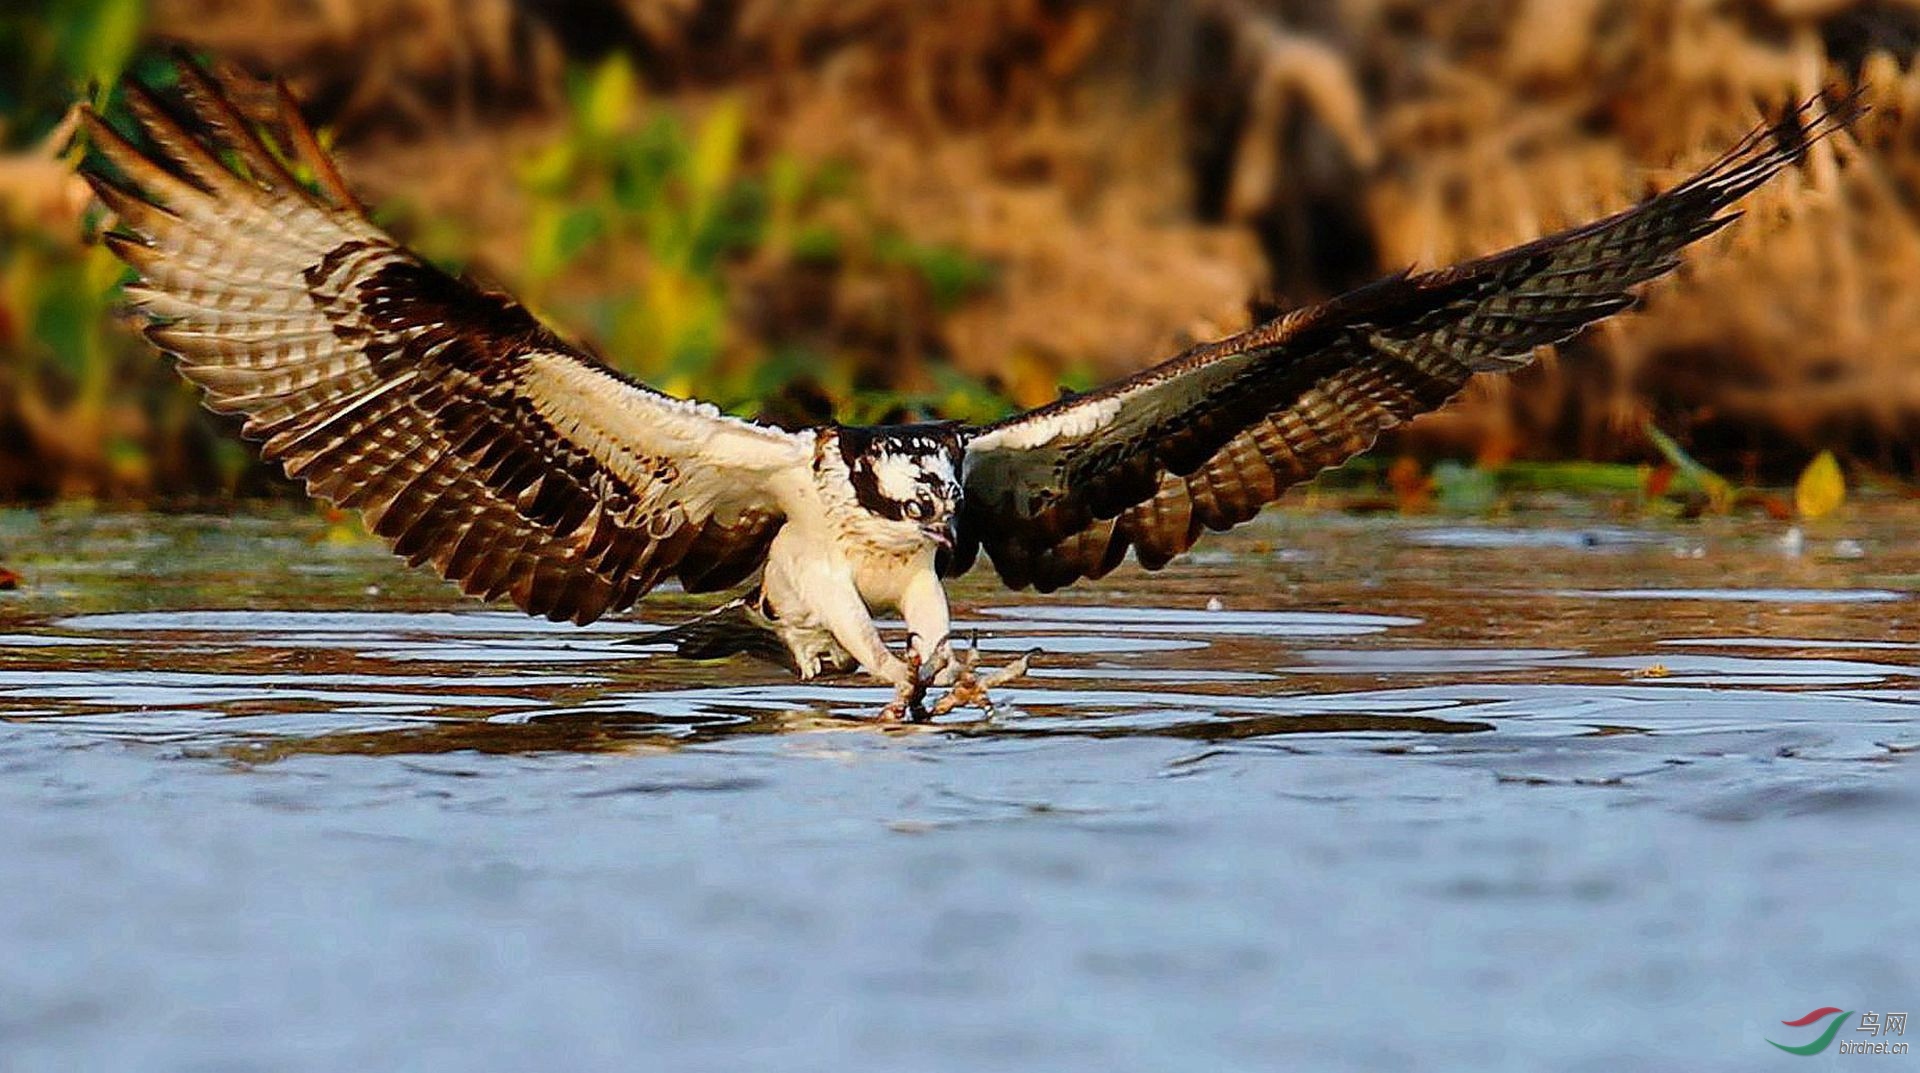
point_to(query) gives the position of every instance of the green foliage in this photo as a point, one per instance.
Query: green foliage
(951, 274)
(1464, 489)
(89, 397)
(62, 358)
(1680, 485)
(1576, 478)
(618, 184)
(670, 209)
(60, 300)
(1718, 490)
(53, 50)
(98, 414)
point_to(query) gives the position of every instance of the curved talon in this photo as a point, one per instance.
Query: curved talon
(1015, 670)
(905, 707)
(965, 664)
(908, 694)
(944, 668)
(971, 691)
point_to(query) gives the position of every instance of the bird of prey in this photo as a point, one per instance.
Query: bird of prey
(474, 439)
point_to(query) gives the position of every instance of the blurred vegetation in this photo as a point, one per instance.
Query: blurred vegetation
(885, 209)
(49, 48)
(84, 409)
(624, 194)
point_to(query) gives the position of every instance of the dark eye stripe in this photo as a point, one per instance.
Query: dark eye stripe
(935, 462)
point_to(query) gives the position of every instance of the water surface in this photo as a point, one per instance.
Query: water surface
(1561, 791)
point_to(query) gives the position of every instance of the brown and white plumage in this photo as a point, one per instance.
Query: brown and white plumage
(469, 436)
(1205, 440)
(474, 439)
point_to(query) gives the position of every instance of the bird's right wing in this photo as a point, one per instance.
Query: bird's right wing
(467, 434)
(1204, 440)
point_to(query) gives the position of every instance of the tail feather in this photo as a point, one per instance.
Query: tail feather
(732, 629)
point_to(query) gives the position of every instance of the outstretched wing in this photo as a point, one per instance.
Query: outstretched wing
(466, 434)
(1204, 440)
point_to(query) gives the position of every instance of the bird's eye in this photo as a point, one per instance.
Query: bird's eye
(916, 511)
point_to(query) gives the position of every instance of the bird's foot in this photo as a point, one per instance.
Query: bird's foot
(971, 689)
(908, 696)
(941, 667)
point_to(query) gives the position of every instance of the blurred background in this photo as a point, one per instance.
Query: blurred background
(880, 208)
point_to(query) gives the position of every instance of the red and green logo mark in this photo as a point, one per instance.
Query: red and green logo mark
(1825, 1038)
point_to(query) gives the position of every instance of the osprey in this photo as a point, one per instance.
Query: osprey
(475, 440)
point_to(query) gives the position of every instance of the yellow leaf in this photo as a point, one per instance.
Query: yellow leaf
(102, 269)
(550, 170)
(1821, 487)
(1030, 379)
(611, 93)
(716, 149)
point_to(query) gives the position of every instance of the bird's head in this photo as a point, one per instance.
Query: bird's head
(909, 476)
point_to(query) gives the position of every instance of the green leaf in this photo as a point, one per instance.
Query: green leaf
(1580, 477)
(1468, 489)
(557, 235)
(1719, 490)
(98, 39)
(816, 242)
(952, 274)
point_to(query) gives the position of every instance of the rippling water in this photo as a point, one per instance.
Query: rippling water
(1553, 793)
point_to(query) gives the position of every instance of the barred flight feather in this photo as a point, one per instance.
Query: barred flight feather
(466, 434)
(1204, 440)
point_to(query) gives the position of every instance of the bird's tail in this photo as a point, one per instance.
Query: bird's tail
(735, 628)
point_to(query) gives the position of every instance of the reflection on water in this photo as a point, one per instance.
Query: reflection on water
(279, 780)
(269, 683)
(1760, 596)
(272, 682)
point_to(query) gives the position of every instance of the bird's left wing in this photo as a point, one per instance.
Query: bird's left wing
(1204, 440)
(466, 434)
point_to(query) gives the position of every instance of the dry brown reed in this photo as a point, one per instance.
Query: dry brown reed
(1497, 120)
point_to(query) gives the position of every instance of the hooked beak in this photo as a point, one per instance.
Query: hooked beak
(940, 533)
